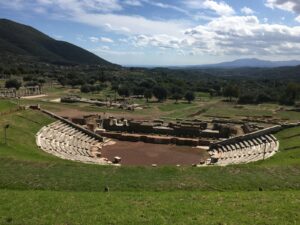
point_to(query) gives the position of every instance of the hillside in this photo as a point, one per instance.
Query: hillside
(21, 40)
(38, 188)
(251, 63)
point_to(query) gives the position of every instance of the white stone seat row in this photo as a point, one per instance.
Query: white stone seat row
(67, 142)
(245, 151)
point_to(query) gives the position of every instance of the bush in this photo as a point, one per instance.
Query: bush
(148, 94)
(13, 83)
(160, 93)
(123, 91)
(189, 96)
(85, 89)
(261, 98)
(284, 100)
(247, 99)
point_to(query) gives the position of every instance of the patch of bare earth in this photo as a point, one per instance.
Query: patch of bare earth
(140, 153)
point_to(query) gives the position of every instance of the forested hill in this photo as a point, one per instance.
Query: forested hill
(25, 41)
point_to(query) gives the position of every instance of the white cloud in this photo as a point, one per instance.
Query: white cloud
(247, 37)
(81, 5)
(101, 39)
(114, 52)
(101, 14)
(94, 39)
(247, 11)
(220, 8)
(160, 41)
(107, 40)
(223, 33)
(133, 2)
(166, 6)
(15, 4)
(127, 24)
(287, 5)
(105, 48)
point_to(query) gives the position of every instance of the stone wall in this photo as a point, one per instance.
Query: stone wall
(154, 139)
(180, 129)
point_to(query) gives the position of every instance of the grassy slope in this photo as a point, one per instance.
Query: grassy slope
(6, 105)
(137, 194)
(44, 207)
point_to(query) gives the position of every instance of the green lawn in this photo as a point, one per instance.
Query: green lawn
(37, 188)
(6, 105)
(49, 207)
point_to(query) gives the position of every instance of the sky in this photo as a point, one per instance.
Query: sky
(167, 32)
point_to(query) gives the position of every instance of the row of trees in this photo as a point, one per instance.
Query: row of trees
(15, 83)
(159, 92)
(287, 96)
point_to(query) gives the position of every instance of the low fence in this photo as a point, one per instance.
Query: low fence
(82, 129)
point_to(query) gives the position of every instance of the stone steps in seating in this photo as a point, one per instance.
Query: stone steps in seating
(246, 151)
(66, 142)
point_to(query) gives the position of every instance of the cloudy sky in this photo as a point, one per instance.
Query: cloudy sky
(167, 32)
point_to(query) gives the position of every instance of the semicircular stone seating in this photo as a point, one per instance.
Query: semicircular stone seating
(67, 142)
(244, 151)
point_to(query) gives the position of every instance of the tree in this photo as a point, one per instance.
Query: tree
(62, 80)
(190, 96)
(262, 98)
(28, 78)
(177, 96)
(148, 94)
(292, 91)
(231, 91)
(138, 90)
(91, 81)
(115, 87)
(247, 99)
(41, 81)
(176, 93)
(85, 89)
(160, 93)
(148, 83)
(13, 83)
(123, 91)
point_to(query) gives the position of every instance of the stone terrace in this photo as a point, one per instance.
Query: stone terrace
(244, 151)
(67, 142)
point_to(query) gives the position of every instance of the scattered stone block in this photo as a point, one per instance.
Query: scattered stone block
(117, 160)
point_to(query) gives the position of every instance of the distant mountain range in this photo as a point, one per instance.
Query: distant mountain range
(252, 62)
(25, 41)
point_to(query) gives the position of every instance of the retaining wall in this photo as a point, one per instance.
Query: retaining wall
(155, 139)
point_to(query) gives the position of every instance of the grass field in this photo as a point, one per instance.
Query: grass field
(36, 188)
(49, 207)
(7, 105)
(203, 107)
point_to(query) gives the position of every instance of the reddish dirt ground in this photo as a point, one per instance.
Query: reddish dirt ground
(140, 153)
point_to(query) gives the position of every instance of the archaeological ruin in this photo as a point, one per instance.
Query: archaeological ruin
(21, 92)
(84, 139)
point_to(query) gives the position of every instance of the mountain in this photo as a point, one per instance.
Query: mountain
(21, 40)
(253, 63)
